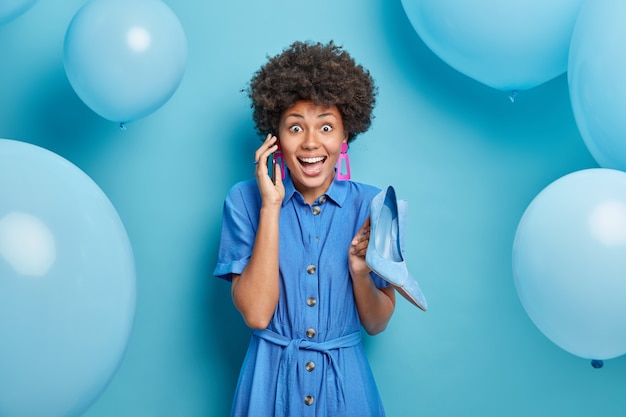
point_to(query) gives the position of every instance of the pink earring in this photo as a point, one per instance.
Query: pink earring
(278, 156)
(343, 164)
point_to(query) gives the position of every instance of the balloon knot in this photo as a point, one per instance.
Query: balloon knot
(122, 126)
(513, 95)
(597, 364)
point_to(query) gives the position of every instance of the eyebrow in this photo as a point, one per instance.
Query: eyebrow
(319, 116)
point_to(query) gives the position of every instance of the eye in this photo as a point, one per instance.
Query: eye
(327, 128)
(295, 129)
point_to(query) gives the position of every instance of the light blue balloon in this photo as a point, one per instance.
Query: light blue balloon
(508, 45)
(67, 285)
(11, 9)
(569, 262)
(596, 71)
(125, 58)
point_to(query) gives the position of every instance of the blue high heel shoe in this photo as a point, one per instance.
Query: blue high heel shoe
(386, 245)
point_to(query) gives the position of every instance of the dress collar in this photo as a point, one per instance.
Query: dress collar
(337, 192)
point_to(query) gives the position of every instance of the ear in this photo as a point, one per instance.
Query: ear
(345, 137)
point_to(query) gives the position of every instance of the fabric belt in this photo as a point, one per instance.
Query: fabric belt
(288, 401)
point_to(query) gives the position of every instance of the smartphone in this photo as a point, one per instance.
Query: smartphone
(271, 163)
(271, 167)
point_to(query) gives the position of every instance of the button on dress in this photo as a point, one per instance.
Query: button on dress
(310, 360)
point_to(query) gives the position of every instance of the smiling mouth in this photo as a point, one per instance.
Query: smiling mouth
(314, 160)
(313, 165)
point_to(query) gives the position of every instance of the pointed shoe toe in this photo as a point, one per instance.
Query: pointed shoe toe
(412, 292)
(384, 252)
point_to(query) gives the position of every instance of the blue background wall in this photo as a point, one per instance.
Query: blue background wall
(468, 160)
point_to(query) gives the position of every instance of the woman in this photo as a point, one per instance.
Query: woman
(294, 246)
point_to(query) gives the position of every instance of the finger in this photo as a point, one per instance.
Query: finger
(263, 146)
(358, 251)
(270, 140)
(268, 146)
(361, 239)
(365, 228)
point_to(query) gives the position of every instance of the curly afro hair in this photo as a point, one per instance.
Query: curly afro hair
(324, 73)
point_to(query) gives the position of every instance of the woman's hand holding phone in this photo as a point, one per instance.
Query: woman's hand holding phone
(269, 180)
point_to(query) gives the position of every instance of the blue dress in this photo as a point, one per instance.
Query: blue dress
(310, 360)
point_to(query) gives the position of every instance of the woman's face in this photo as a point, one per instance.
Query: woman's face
(310, 139)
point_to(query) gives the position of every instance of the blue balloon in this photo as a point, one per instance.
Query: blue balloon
(596, 69)
(67, 285)
(508, 45)
(125, 58)
(569, 262)
(11, 9)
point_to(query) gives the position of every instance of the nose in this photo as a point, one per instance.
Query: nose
(310, 140)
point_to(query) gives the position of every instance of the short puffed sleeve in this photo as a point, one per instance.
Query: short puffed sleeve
(240, 220)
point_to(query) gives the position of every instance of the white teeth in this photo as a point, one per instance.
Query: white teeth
(312, 160)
